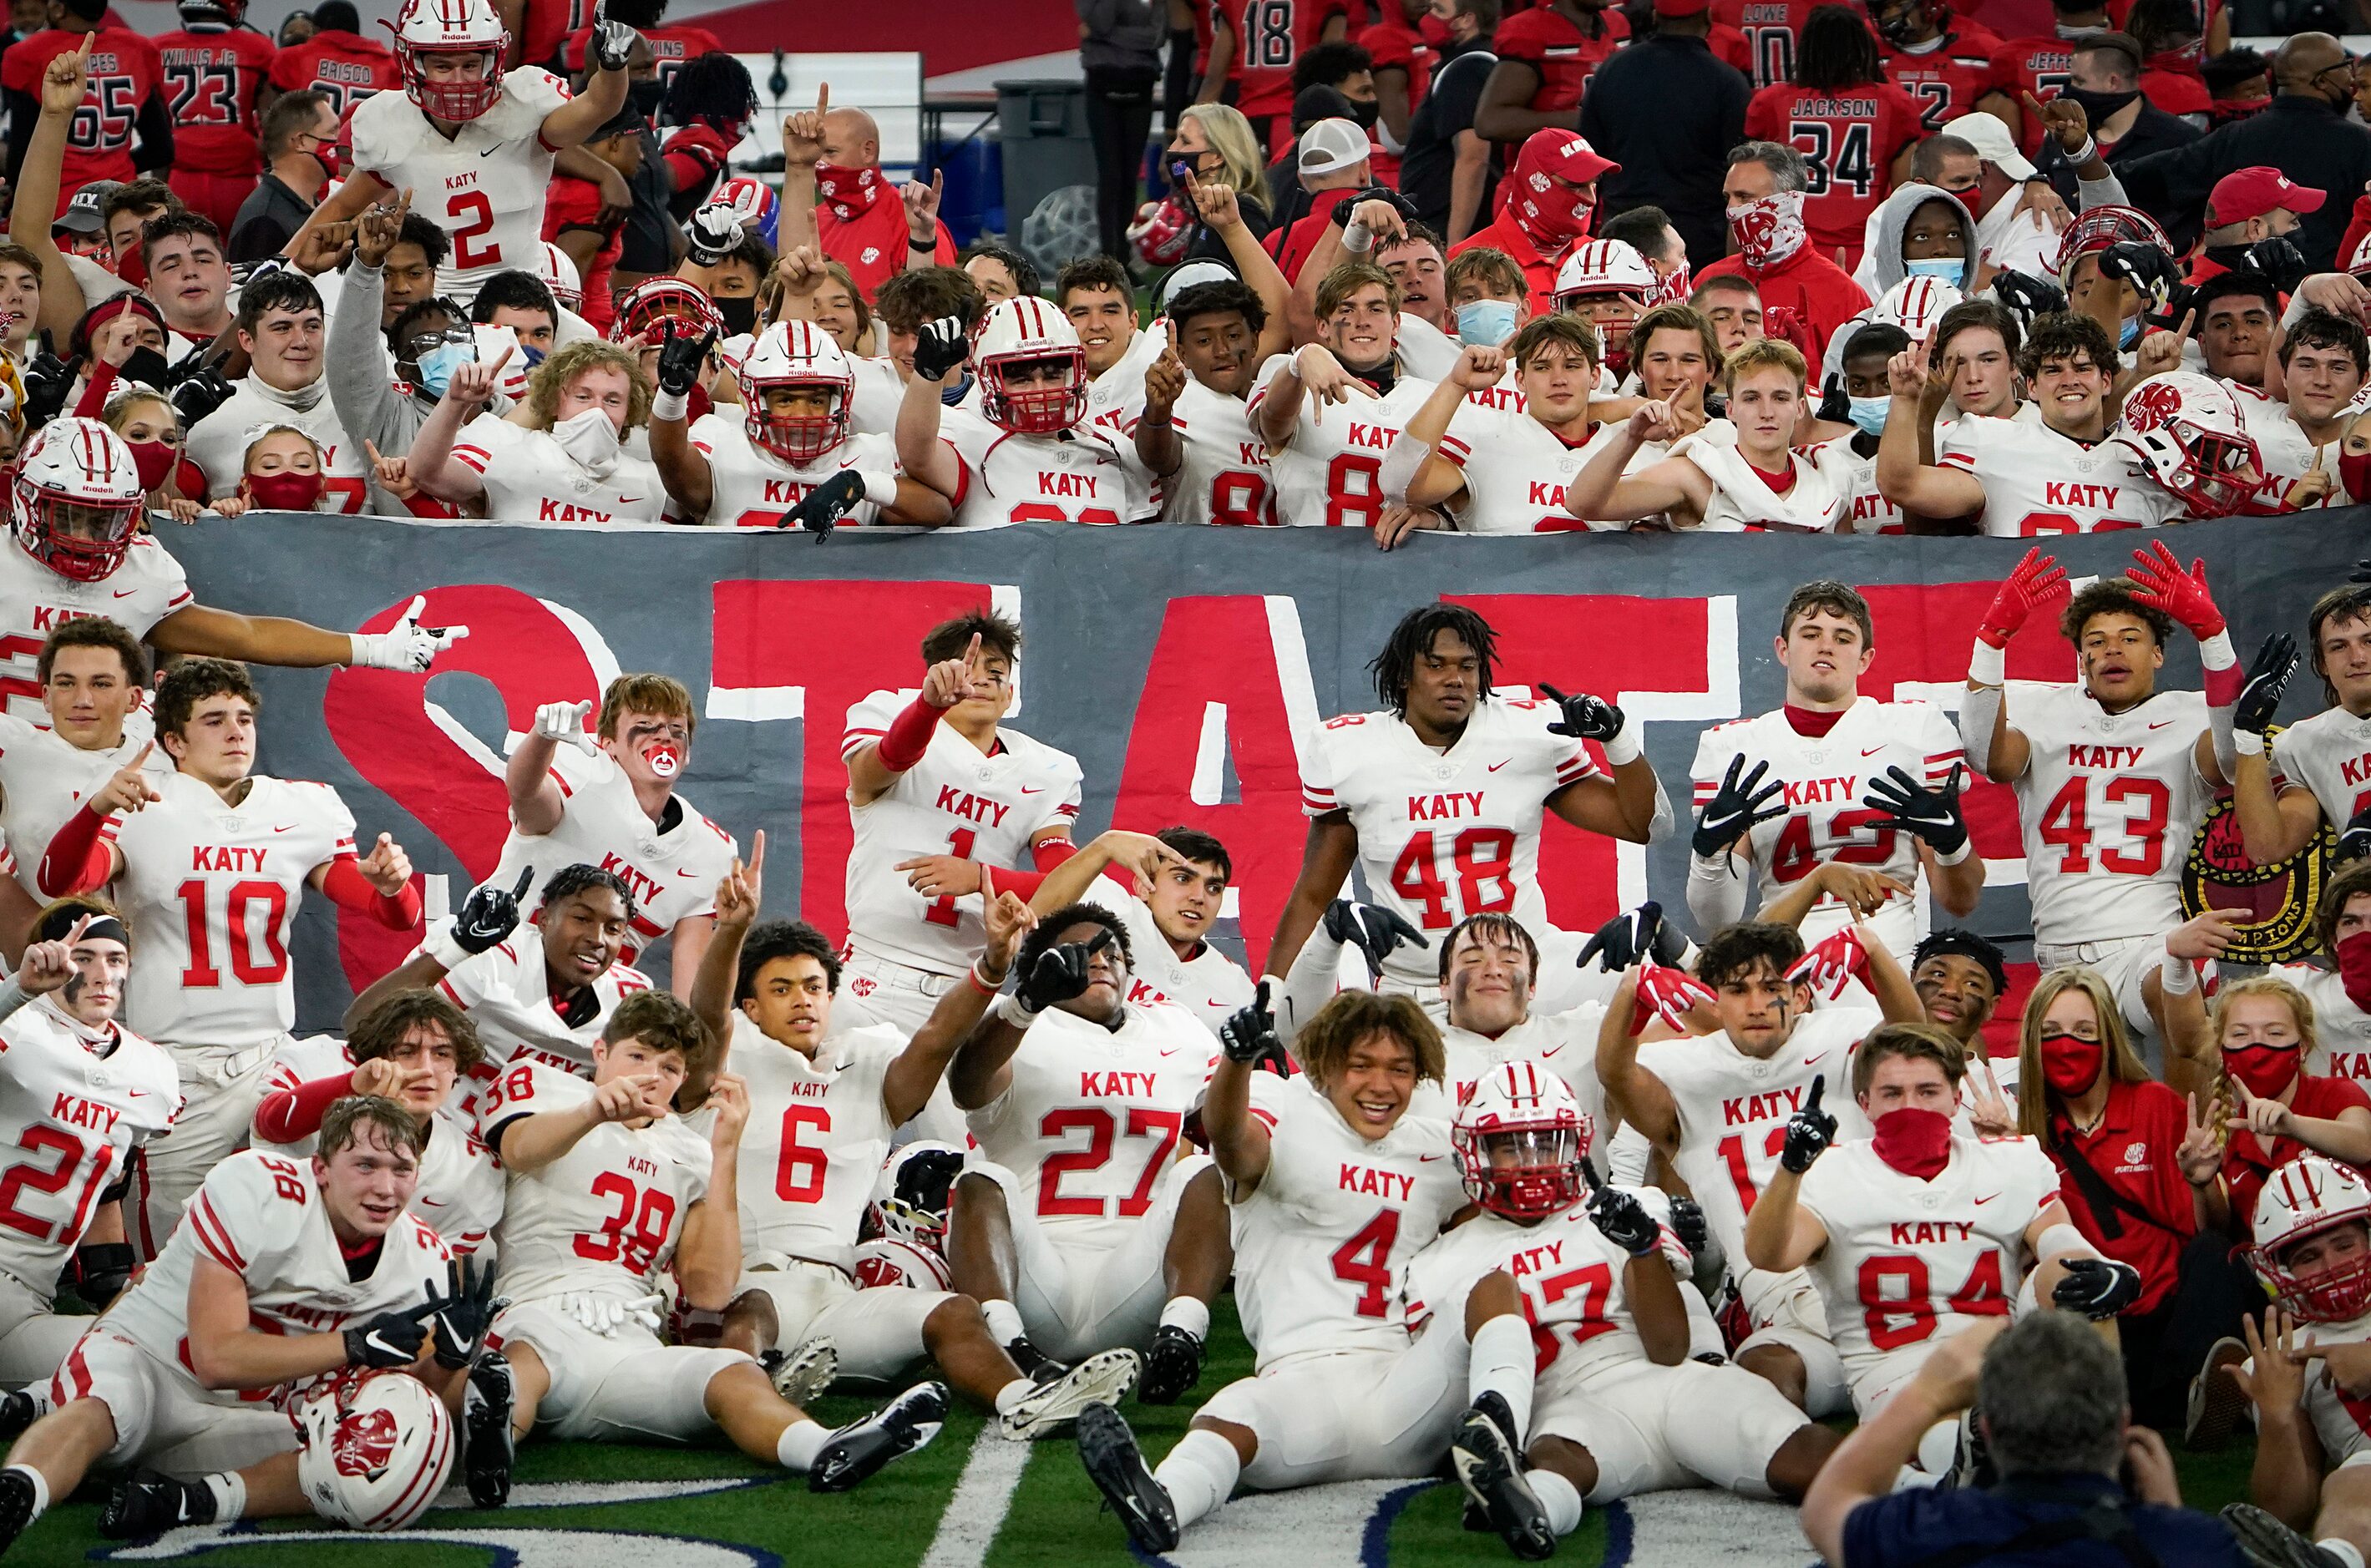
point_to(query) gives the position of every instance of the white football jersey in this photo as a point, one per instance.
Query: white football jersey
(2109, 803)
(1871, 513)
(605, 1215)
(1817, 498)
(212, 891)
(484, 188)
(75, 1115)
(506, 991)
(43, 778)
(2285, 449)
(260, 1216)
(218, 443)
(2341, 1421)
(1515, 473)
(1210, 985)
(816, 1136)
(955, 801)
(1445, 835)
(1909, 1261)
(2330, 754)
(530, 478)
(1323, 1244)
(1093, 1115)
(1115, 398)
(1562, 1043)
(2037, 482)
(872, 406)
(673, 871)
(1076, 476)
(1223, 477)
(460, 1191)
(1733, 1108)
(1826, 777)
(35, 601)
(1330, 474)
(2342, 1028)
(751, 487)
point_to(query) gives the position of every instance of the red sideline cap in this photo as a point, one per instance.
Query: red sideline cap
(2246, 193)
(1682, 8)
(1573, 158)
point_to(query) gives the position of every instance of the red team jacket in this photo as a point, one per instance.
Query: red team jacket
(1850, 139)
(125, 70)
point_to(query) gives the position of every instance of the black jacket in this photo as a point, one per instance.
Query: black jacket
(2153, 131)
(1668, 110)
(2303, 137)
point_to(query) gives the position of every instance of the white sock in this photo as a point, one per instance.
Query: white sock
(40, 1490)
(1560, 1497)
(1199, 1473)
(1503, 1361)
(1938, 1448)
(1013, 1393)
(1184, 1312)
(1003, 1321)
(2346, 1551)
(800, 1443)
(230, 1495)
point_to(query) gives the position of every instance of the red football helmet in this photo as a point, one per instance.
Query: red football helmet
(77, 499)
(2187, 431)
(1029, 331)
(2304, 1198)
(796, 354)
(645, 307)
(450, 26)
(2095, 228)
(1520, 1142)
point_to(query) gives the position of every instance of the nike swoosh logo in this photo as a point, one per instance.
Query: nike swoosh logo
(125, 593)
(1986, 1199)
(1496, 766)
(289, 828)
(1872, 751)
(1427, 1159)
(1546, 1055)
(681, 873)
(2160, 724)
(628, 500)
(1027, 790)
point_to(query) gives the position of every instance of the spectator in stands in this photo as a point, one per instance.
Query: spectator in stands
(1859, 125)
(1447, 168)
(2105, 83)
(1119, 51)
(281, 330)
(1650, 233)
(2248, 206)
(1401, 59)
(732, 282)
(1733, 306)
(710, 102)
(409, 273)
(1333, 81)
(182, 253)
(2171, 52)
(134, 137)
(2263, 1030)
(422, 345)
(1001, 272)
(566, 463)
(1217, 143)
(1552, 202)
(1333, 167)
(1667, 111)
(153, 431)
(280, 471)
(2011, 232)
(1764, 191)
(832, 167)
(299, 129)
(2241, 81)
(337, 61)
(1545, 56)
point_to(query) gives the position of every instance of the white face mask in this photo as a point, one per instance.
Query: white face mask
(591, 438)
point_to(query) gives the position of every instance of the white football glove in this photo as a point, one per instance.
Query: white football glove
(595, 1314)
(644, 1312)
(564, 721)
(611, 43)
(713, 232)
(409, 647)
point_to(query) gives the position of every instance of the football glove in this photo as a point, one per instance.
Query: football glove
(714, 233)
(1736, 808)
(465, 1311)
(1249, 1035)
(1809, 1131)
(489, 915)
(1911, 807)
(1619, 1216)
(939, 347)
(2096, 1287)
(1371, 928)
(406, 647)
(1060, 972)
(391, 1339)
(820, 509)
(2268, 678)
(1633, 936)
(612, 41)
(1586, 717)
(682, 359)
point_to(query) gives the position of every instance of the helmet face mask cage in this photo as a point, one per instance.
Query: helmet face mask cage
(2192, 438)
(457, 98)
(798, 439)
(2335, 1294)
(2304, 1198)
(77, 499)
(1035, 410)
(1522, 1171)
(646, 308)
(426, 28)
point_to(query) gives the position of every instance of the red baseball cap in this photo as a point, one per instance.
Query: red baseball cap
(1573, 158)
(1682, 8)
(2246, 193)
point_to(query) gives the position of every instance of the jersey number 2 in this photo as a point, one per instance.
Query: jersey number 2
(26, 1176)
(478, 212)
(1162, 1127)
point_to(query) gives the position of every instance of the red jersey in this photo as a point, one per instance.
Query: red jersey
(2037, 65)
(671, 47)
(346, 67)
(2177, 92)
(2246, 1161)
(1731, 47)
(1850, 139)
(1563, 54)
(697, 157)
(2132, 1150)
(1270, 37)
(124, 73)
(1771, 28)
(1397, 45)
(211, 81)
(548, 25)
(1946, 80)
(573, 203)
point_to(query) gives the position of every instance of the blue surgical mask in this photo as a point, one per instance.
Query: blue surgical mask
(1485, 322)
(1868, 413)
(1948, 269)
(437, 364)
(2132, 333)
(533, 355)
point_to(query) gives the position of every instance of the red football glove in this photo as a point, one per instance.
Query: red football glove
(2183, 595)
(1832, 964)
(2036, 581)
(1668, 994)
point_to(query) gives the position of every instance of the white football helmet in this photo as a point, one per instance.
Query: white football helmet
(377, 1450)
(1029, 331)
(1914, 305)
(909, 1196)
(2186, 431)
(1613, 279)
(558, 274)
(2360, 262)
(2303, 1198)
(77, 497)
(885, 1263)
(450, 26)
(2097, 228)
(1520, 1142)
(798, 356)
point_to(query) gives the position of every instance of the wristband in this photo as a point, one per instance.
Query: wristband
(2248, 742)
(1357, 237)
(1967, 848)
(2215, 653)
(1624, 747)
(983, 985)
(2176, 976)
(1988, 666)
(2083, 154)
(879, 489)
(445, 948)
(928, 242)
(671, 405)
(1010, 1009)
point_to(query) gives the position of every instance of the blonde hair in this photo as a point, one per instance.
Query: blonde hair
(1912, 1043)
(661, 695)
(2123, 1064)
(1230, 135)
(1763, 354)
(563, 365)
(257, 438)
(118, 412)
(1346, 279)
(2300, 1009)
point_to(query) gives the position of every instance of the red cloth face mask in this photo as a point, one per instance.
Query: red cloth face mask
(2354, 968)
(1915, 1141)
(285, 492)
(2265, 1069)
(2071, 1064)
(155, 460)
(849, 192)
(2354, 473)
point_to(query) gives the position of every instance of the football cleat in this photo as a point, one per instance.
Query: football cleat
(19, 1410)
(16, 1507)
(1035, 1364)
(1174, 1365)
(2266, 1543)
(1107, 1448)
(1971, 1457)
(488, 1444)
(807, 1372)
(2218, 1405)
(898, 1428)
(1102, 1378)
(150, 1504)
(1491, 1474)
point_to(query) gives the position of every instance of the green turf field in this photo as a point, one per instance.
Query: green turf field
(587, 1506)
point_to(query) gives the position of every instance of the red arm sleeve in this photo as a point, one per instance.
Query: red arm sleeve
(1048, 854)
(2357, 229)
(79, 859)
(349, 889)
(93, 401)
(293, 1114)
(908, 735)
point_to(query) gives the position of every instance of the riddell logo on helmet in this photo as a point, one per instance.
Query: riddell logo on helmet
(365, 1443)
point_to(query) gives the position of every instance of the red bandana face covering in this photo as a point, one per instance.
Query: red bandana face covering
(2354, 968)
(1915, 1141)
(2265, 1069)
(1769, 230)
(2071, 1064)
(849, 192)
(285, 492)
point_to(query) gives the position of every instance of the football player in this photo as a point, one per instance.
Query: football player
(2324, 359)
(1028, 454)
(1961, 977)
(1943, 60)
(607, 1188)
(92, 675)
(823, 1106)
(2327, 753)
(1372, 780)
(1717, 1105)
(281, 322)
(212, 865)
(2112, 774)
(1195, 434)
(1902, 1229)
(1122, 1247)
(336, 61)
(2340, 995)
(1845, 777)
(1099, 297)
(214, 66)
(1530, 453)
(1585, 1273)
(1608, 285)
(75, 509)
(1853, 126)
(1180, 877)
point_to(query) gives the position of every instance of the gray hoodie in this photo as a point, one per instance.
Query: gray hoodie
(1893, 219)
(362, 381)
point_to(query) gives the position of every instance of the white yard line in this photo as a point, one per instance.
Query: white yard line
(983, 1496)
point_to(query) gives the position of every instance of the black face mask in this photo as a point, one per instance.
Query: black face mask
(1364, 112)
(2098, 106)
(740, 313)
(646, 96)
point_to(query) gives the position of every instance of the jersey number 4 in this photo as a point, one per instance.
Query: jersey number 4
(1482, 859)
(1160, 1129)
(1904, 1317)
(1365, 1261)
(1837, 164)
(2067, 822)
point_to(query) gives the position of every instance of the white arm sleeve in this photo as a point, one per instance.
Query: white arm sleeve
(1715, 892)
(1979, 715)
(1310, 984)
(1400, 466)
(1627, 1158)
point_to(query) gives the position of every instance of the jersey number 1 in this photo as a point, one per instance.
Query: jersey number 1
(28, 1176)
(240, 932)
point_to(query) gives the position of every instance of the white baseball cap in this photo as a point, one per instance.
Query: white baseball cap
(1993, 142)
(1185, 277)
(1331, 146)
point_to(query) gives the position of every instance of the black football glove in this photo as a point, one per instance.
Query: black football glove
(2026, 296)
(1912, 808)
(98, 1272)
(1586, 717)
(489, 915)
(1688, 1224)
(391, 1339)
(1618, 1216)
(612, 41)
(1835, 403)
(48, 379)
(2154, 275)
(2354, 842)
(1371, 928)
(465, 1310)
(714, 233)
(1809, 1131)
(1633, 935)
(939, 347)
(1249, 1035)
(200, 393)
(1060, 972)
(2096, 1287)
(1735, 808)
(820, 509)
(682, 359)
(2267, 679)
(2279, 259)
